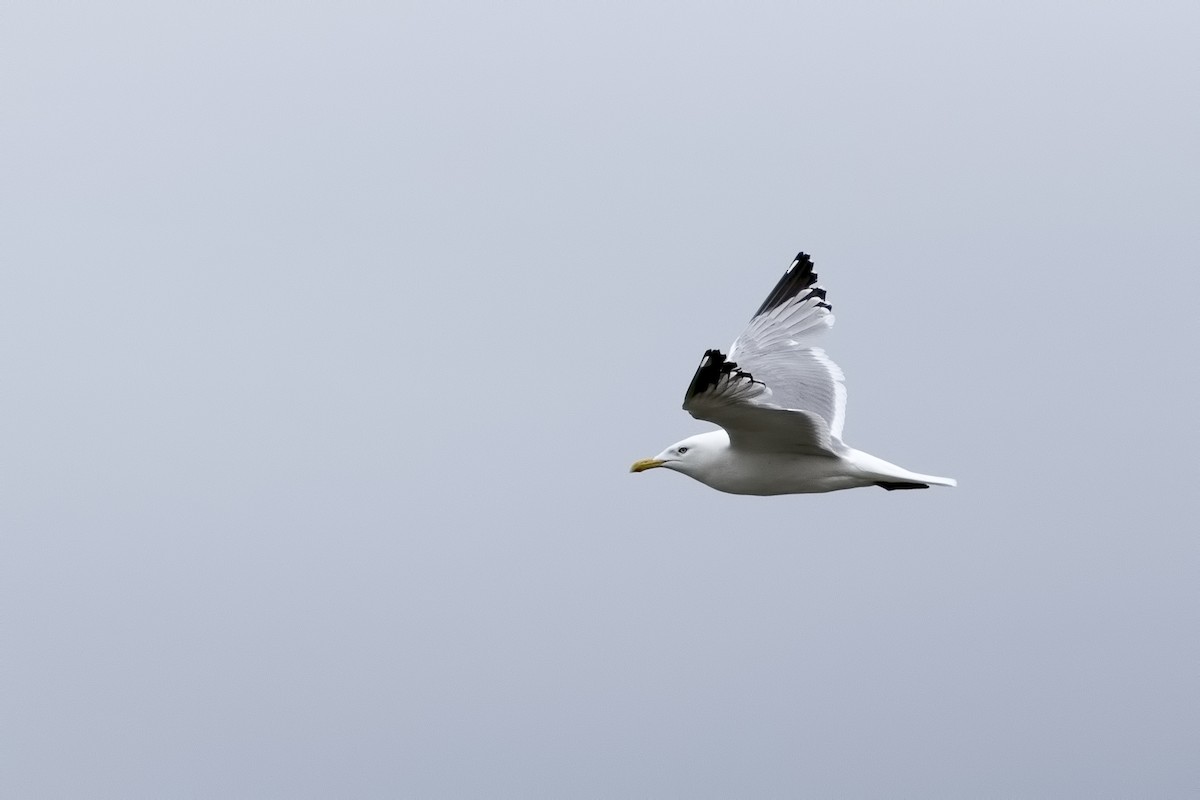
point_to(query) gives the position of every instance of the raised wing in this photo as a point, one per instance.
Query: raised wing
(723, 393)
(777, 348)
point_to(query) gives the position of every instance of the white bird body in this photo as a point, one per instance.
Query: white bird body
(715, 463)
(782, 411)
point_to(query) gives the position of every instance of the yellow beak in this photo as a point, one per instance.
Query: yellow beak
(645, 464)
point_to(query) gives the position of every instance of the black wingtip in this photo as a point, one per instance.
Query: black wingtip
(892, 486)
(713, 367)
(708, 373)
(799, 276)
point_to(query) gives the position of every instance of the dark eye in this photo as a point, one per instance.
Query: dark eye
(682, 450)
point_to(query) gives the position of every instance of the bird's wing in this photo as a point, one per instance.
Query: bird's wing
(777, 348)
(723, 393)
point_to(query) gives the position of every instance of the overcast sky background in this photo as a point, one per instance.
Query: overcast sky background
(329, 332)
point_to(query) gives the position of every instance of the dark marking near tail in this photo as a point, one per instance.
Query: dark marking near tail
(708, 374)
(892, 486)
(797, 279)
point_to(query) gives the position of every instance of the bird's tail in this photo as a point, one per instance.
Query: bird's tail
(932, 480)
(889, 476)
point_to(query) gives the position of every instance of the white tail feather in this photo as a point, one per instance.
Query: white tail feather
(887, 471)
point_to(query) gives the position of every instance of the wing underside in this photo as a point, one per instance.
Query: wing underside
(778, 348)
(724, 394)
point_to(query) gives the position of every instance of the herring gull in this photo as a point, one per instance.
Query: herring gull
(780, 403)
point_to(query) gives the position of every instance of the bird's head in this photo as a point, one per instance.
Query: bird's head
(686, 456)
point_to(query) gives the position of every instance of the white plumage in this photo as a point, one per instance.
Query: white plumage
(781, 404)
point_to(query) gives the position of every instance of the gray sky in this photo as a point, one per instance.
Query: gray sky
(331, 330)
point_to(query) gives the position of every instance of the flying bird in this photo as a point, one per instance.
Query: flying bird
(781, 405)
